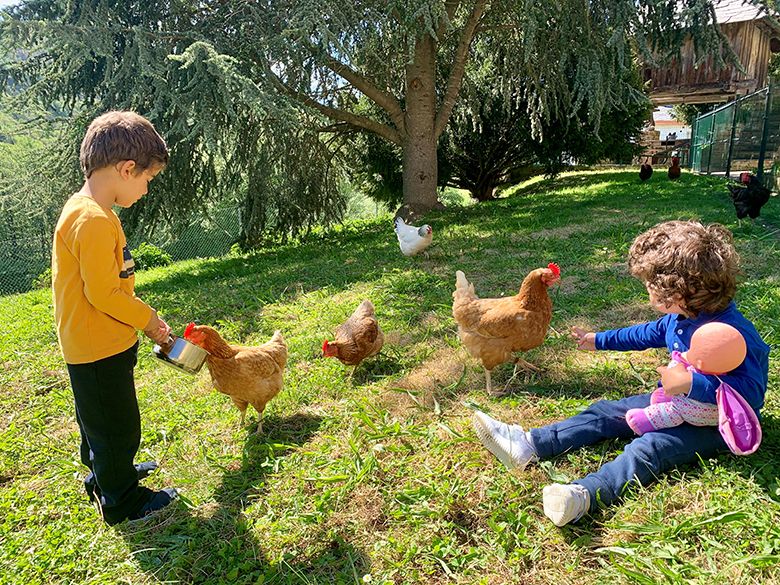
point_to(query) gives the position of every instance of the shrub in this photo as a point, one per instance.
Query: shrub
(148, 255)
(43, 280)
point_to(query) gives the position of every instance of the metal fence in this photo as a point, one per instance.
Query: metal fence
(23, 260)
(743, 135)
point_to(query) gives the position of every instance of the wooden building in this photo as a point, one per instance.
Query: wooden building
(753, 37)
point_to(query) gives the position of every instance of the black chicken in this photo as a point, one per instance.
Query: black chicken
(674, 170)
(749, 195)
(645, 171)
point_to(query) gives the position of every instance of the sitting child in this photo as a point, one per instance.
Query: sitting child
(690, 272)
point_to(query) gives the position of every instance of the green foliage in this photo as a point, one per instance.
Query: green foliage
(231, 140)
(241, 89)
(148, 255)
(380, 472)
(28, 207)
(489, 142)
(43, 280)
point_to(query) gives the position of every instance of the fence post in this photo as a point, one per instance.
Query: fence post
(731, 138)
(764, 134)
(710, 137)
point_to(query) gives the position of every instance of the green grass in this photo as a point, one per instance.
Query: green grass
(380, 474)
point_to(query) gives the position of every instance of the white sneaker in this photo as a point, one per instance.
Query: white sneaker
(564, 503)
(507, 442)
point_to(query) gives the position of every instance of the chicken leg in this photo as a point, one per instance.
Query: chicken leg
(489, 385)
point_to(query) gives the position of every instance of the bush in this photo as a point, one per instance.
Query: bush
(148, 255)
(43, 280)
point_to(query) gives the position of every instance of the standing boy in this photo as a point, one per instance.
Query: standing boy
(97, 313)
(690, 273)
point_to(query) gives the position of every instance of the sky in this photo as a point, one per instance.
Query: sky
(4, 3)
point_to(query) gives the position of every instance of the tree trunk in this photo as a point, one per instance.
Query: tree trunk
(484, 189)
(420, 166)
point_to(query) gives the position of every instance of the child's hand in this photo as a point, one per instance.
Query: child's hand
(585, 341)
(157, 330)
(675, 380)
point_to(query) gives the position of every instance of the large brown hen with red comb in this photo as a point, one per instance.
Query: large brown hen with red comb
(249, 375)
(492, 330)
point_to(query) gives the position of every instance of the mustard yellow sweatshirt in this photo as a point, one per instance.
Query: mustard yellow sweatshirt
(93, 279)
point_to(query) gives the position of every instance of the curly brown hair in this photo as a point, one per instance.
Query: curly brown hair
(687, 263)
(121, 135)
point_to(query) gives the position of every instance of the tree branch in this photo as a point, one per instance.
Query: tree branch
(458, 68)
(383, 130)
(383, 99)
(450, 7)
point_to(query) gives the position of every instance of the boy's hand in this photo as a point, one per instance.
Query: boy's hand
(586, 341)
(675, 380)
(157, 330)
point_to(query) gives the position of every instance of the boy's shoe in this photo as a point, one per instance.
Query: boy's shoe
(564, 503)
(158, 501)
(507, 442)
(143, 470)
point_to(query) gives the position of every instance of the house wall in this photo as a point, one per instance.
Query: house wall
(750, 40)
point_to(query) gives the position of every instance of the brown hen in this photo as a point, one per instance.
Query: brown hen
(249, 375)
(358, 338)
(493, 329)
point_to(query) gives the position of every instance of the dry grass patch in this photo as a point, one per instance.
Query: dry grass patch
(444, 367)
(363, 512)
(629, 314)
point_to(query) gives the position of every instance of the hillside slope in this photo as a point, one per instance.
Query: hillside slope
(380, 474)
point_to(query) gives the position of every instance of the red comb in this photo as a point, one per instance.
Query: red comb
(324, 345)
(555, 268)
(188, 330)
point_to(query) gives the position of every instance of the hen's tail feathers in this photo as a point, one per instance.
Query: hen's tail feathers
(399, 222)
(365, 308)
(277, 337)
(463, 286)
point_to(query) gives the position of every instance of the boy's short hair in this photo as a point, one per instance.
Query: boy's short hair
(121, 135)
(687, 263)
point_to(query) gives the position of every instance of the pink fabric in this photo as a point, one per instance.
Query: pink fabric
(737, 421)
(675, 411)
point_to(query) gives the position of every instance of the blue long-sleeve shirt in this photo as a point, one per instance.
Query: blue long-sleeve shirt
(674, 332)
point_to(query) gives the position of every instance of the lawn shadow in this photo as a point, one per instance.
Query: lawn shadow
(216, 542)
(375, 368)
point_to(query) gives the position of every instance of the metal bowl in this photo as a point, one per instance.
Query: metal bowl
(179, 353)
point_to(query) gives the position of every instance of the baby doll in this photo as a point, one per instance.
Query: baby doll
(715, 348)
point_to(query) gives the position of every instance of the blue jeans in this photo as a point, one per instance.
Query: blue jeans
(642, 460)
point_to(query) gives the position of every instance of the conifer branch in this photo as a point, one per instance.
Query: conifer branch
(450, 8)
(382, 130)
(458, 68)
(383, 99)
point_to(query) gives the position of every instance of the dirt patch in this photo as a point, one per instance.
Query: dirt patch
(442, 368)
(396, 338)
(561, 232)
(363, 511)
(567, 285)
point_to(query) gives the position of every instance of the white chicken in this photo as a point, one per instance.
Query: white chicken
(412, 239)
